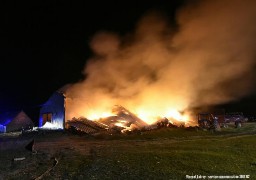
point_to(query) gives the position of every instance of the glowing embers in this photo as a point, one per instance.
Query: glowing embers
(122, 120)
(122, 123)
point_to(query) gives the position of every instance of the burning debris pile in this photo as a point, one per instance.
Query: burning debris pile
(121, 121)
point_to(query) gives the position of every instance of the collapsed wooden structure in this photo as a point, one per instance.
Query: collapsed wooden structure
(121, 120)
(85, 125)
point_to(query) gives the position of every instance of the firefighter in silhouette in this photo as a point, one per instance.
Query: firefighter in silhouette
(215, 123)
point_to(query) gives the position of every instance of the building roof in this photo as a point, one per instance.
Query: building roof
(7, 117)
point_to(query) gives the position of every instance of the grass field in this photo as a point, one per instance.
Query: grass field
(161, 154)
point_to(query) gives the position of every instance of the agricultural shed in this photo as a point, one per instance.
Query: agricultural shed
(14, 121)
(53, 111)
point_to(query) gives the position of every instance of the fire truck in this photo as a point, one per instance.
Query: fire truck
(210, 120)
(217, 120)
(235, 117)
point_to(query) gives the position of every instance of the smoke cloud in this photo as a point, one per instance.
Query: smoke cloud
(207, 59)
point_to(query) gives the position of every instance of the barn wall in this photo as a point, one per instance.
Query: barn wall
(56, 106)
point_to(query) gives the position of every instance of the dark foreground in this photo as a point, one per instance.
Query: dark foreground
(161, 154)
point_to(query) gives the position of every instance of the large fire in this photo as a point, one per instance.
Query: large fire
(172, 114)
(160, 71)
(146, 116)
(134, 118)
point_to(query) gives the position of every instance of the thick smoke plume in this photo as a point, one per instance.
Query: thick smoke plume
(206, 59)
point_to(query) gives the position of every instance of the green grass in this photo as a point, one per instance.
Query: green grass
(173, 154)
(160, 154)
(174, 159)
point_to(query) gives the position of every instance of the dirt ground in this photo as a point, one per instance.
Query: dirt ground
(48, 149)
(54, 155)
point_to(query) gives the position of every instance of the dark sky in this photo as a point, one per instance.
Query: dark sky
(45, 44)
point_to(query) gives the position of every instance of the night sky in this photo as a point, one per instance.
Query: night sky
(45, 44)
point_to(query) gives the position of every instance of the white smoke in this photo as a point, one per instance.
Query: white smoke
(208, 61)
